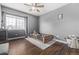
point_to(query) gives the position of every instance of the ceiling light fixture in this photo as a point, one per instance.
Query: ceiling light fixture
(36, 7)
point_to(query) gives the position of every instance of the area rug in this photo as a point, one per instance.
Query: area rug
(39, 43)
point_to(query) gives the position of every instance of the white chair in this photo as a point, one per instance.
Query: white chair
(71, 41)
(77, 42)
(4, 48)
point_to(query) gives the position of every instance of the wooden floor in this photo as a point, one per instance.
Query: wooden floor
(23, 47)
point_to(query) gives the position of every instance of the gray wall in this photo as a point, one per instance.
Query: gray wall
(50, 23)
(0, 16)
(33, 24)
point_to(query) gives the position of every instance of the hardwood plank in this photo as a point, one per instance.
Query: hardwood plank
(23, 47)
(53, 49)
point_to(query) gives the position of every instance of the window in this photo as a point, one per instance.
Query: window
(15, 22)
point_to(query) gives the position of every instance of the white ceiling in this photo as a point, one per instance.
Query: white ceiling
(47, 7)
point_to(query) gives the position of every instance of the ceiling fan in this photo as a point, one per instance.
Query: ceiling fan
(35, 6)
